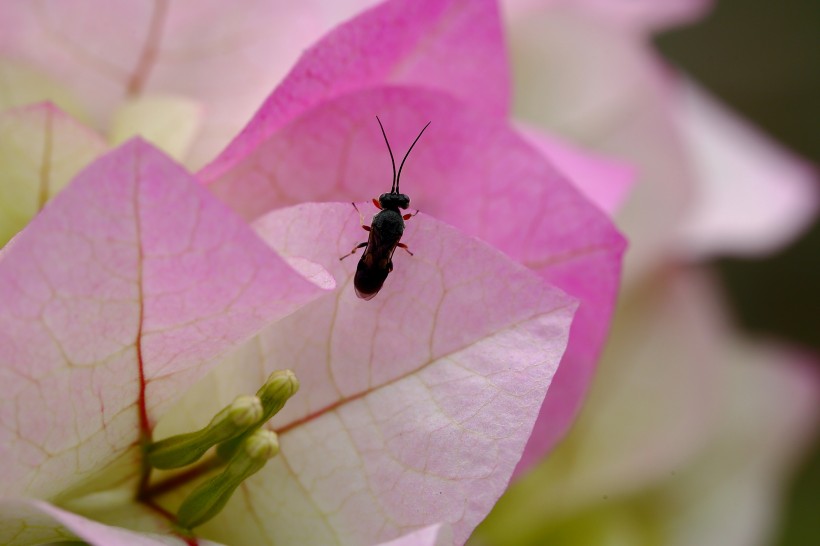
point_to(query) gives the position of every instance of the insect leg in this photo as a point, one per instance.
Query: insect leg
(408, 216)
(355, 248)
(376, 202)
(404, 246)
(361, 218)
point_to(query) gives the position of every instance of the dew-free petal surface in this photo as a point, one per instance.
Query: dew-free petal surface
(454, 46)
(41, 149)
(116, 297)
(24, 522)
(604, 181)
(414, 407)
(753, 196)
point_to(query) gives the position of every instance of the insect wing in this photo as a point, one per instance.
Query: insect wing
(373, 267)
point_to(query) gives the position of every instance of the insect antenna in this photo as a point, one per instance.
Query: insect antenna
(393, 161)
(407, 154)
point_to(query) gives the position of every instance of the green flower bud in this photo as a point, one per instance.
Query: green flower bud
(208, 499)
(246, 410)
(184, 449)
(276, 391)
(279, 387)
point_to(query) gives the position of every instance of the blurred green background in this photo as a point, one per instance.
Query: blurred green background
(763, 59)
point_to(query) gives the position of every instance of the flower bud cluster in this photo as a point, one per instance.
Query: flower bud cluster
(242, 446)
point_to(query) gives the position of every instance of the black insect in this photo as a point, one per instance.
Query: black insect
(385, 230)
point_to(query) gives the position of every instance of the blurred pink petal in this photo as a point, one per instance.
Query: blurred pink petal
(24, 522)
(604, 181)
(753, 196)
(655, 395)
(401, 42)
(686, 416)
(640, 14)
(228, 56)
(414, 406)
(41, 149)
(116, 296)
(768, 414)
(598, 85)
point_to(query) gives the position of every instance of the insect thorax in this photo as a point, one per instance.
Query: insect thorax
(394, 201)
(389, 224)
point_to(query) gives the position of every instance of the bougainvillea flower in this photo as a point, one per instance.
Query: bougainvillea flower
(411, 401)
(161, 54)
(132, 304)
(473, 170)
(118, 274)
(476, 173)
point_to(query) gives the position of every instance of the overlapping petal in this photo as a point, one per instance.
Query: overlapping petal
(708, 183)
(454, 362)
(472, 171)
(107, 51)
(36, 522)
(597, 84)
(22, 85)
(454, 46)
(41, 149)
(291, 152)
(229, 56)
(603, 180)
(170, 123)
(117, 295)
(414, 407)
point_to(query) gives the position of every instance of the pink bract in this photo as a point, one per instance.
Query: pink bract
(414, 406)
(316, 139)
(604, 181)
(122, 291)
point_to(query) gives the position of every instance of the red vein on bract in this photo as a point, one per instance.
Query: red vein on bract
(144, 424)
(409, 373)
